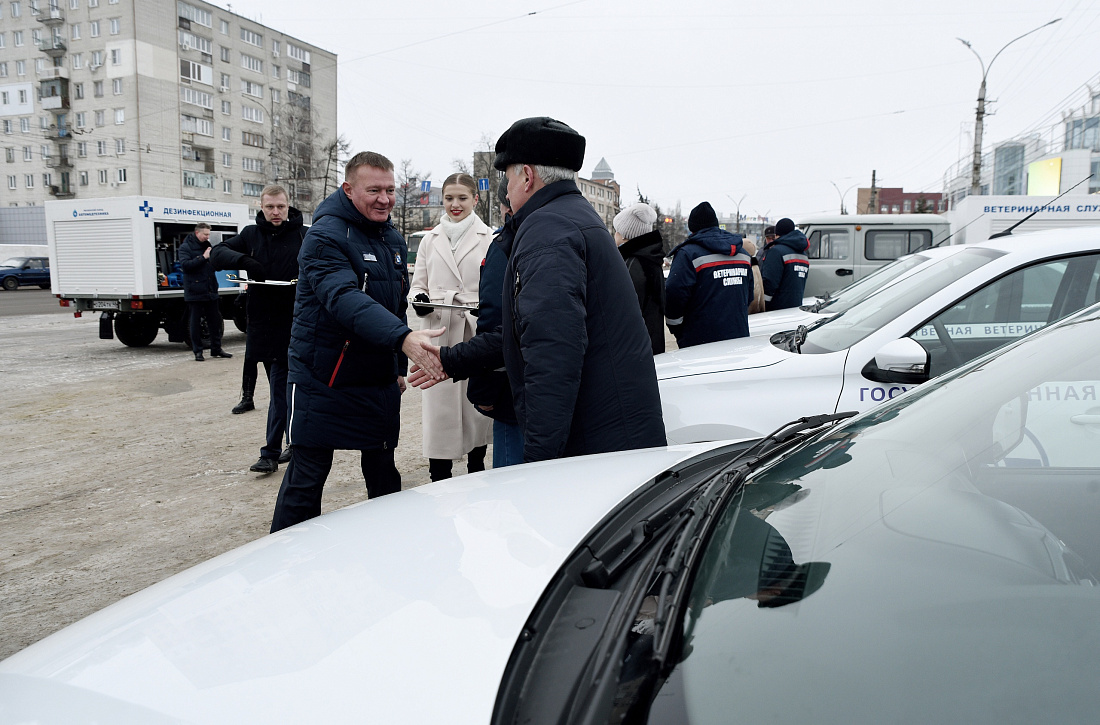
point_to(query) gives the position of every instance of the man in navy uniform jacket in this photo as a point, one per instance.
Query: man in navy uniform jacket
(710, 284)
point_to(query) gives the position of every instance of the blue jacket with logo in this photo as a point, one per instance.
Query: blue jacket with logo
(577, 352)
(349, 324)
(709, 288)
(783, 268)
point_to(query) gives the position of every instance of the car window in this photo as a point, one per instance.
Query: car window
(830, 244)
(1008, 308)
(893, 243)
(34, 263)
(845, 330)
(13, 262)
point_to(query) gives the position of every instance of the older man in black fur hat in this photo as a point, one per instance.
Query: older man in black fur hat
(578, 355)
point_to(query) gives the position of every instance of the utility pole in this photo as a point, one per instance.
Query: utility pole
(872, 203)
(979, 117)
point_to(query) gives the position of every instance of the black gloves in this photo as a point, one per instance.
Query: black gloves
(422, 310)
(255, 269)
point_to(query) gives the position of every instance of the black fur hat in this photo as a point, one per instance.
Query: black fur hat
(540, 141)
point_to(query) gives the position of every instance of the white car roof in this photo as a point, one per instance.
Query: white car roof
(401, 609)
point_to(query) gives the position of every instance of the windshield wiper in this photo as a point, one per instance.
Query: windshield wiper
(822, 300)
(696, 522)
(798, 336)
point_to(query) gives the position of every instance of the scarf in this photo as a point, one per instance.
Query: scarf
(455, 230)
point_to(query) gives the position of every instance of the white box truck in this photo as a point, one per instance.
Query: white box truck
(119, 257)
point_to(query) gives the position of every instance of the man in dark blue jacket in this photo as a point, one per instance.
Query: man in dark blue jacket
(710, 284)
(575, 346)
(200, 291)
(784, 266)
(481, 359)
(350, 343)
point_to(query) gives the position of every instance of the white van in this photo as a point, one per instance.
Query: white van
(845, 248)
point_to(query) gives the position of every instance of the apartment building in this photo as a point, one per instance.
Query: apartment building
(102, 98)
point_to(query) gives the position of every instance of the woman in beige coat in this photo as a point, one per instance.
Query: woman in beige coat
(447, 271)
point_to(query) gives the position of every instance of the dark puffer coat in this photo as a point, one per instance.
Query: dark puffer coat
(270, 308)
(200, 284)
(349, 323)
(579, 359)
(481, 359)
(709, 288)
(783, 268)
(644, 257)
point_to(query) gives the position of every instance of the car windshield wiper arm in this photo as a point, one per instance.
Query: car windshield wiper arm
(697, 524)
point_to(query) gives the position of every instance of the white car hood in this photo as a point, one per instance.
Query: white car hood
(400, 610)
(741, 354)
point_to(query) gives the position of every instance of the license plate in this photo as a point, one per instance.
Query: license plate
(104, 304)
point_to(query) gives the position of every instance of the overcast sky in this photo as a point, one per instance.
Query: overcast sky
(699, 99)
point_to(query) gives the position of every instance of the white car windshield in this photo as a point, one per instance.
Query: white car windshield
(856, 292)
(14, 262)
(846, 329)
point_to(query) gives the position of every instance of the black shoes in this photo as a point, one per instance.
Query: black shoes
(284, 456)
(199, 357)
(244, 406)
(265, 465)
(220, 353)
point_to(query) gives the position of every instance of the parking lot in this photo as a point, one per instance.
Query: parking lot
(122, 466)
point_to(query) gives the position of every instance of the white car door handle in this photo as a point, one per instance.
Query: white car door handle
(1085, 419)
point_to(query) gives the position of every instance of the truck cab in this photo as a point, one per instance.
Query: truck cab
(848, 247)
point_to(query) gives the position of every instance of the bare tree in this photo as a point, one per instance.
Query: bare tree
(671, 225)
(336, 152)
(408, 213)
(305, 160)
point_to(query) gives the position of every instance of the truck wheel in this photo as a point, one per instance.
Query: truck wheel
(11, 284)
(136, 330)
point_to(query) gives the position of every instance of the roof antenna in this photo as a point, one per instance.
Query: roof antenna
(1008, 232)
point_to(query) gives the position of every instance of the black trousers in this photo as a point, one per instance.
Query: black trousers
(209, 310)
(300, 495)
(276, 408)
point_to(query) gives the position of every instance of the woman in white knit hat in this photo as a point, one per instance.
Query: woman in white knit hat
(643, 251)
(447, 271)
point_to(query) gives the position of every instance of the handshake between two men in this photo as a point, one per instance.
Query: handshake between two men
(427, 369)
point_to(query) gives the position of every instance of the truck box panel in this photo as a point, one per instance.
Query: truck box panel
(95, 256)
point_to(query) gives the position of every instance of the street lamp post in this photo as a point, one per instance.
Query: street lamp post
(738, 204)
(842, 195)
(976, 167)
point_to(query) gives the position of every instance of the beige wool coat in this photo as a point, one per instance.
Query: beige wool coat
(452, 426)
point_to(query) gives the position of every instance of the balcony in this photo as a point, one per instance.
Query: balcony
(62, 192)
(55, 103)
(54, 73)
(59, 162)
(58, 133)
(53, 47)
(51, 18)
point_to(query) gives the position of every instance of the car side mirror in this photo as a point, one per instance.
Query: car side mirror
(899, 361)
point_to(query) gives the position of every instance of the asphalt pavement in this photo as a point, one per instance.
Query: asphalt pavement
(29, 301)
